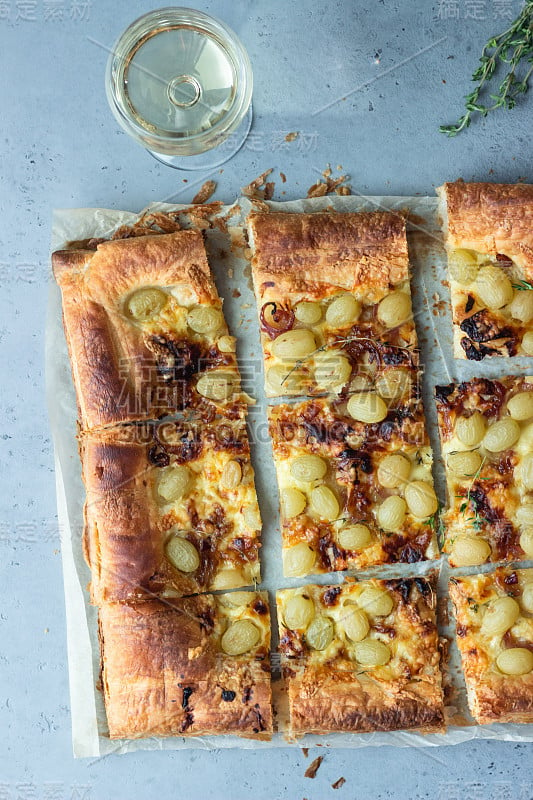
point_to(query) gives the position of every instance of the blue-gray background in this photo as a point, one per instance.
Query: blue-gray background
(61, 147)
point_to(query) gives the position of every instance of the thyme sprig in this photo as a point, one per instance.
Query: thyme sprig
(476, 520)
(522, 286)
(340, 341)
(513, 47)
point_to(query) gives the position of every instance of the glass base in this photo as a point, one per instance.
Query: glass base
(214, 157)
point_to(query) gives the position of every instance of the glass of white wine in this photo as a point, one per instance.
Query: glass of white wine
(180, 82)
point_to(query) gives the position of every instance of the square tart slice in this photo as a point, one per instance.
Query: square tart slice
(334, 300)
(361, 657)
(189, 667)
(489, 238)
(145, 329)
(171, 509)
(486, 432)
(494, 627)
(352, 494)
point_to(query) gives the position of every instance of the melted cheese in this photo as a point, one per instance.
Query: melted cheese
(472, 596)
(411, 653)
(506, 491)
(303, 374)
(304, 527)
(502, 316)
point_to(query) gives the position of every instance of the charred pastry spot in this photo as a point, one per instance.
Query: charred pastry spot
(474, 354)
(329, 552)
(387, 630)
(423, 587)
(176, 360)
(469, 305)
(481, 328)
(358, 458)
(158, 456)
(187, 691)
(402, 587)
(396, 356)
(276, 318)
(247, 694)
(462, 630)
(187, 722)
(330, 596)
(442, 393)
(257, 712)
(290, 644)
(207, 621)
(228, 695)
(260, 607)
(511, 345)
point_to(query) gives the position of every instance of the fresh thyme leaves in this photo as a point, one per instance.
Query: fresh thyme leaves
(513, 47)
(436, 523)
(473, 605)
(343, 340)
(469, 502)
(522, 286)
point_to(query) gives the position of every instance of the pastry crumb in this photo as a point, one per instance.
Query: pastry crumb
(313, 767)
(329, 185)
(255, 190)
(338, 783)
(290, 137)
(205, 192)
(305, 751)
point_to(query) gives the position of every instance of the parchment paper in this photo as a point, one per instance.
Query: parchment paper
(228, 256)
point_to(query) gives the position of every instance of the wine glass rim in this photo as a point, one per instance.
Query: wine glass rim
(170, 17)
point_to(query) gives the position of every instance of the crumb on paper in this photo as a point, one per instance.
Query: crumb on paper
(290, 137)
(230, 272)
(313, 767)
(283, 177)
(47, 630)
(305, 751)
(269, 190)
(254, 190)
(329, 185)
(204, 193)
(338, 783)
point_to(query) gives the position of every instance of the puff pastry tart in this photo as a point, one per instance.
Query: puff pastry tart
(489, 238)
(188, 667)
(352, 494)
(361, 657)
(171, 509)
(486, 430)
(334, 300)
(145, 329)
(494, 616)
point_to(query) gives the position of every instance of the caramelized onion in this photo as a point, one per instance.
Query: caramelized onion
(276, 318)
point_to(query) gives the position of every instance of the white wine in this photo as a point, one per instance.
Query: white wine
(180, 82)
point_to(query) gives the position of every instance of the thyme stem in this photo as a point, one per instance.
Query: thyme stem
(513, 47)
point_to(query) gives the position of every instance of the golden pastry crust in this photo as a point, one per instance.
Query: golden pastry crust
(491, 218)
(317, 258)
(353, 452)
(126, 368)
(485, 504)
(490, 225)
(329, 690)
(318, 254)
(129, 524)
(164, 672)
(492, 695)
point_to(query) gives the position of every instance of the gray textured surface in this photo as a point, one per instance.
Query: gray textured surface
(61, 147)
